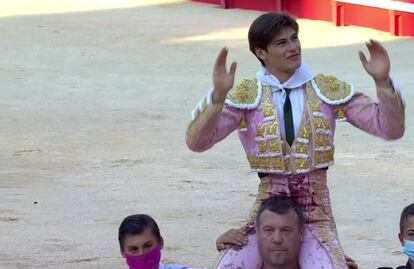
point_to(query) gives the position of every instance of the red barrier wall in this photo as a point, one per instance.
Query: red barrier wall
(217, 2)
(309, 9)
(263, 5)
(364, 16)
(402, 23)
(396, 22)
(340, 13)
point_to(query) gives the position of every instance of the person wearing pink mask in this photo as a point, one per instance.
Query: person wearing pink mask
(141, 243)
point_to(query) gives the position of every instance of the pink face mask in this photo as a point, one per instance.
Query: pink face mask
(149, 260)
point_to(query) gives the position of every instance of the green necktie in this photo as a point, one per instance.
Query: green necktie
(287, 112)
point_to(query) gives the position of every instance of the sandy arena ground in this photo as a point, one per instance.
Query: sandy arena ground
(94, 103)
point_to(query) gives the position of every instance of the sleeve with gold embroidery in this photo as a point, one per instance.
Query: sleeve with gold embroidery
(211, 123)
(385, 118)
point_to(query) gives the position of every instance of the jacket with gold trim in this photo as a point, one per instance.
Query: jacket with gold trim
(250, 109)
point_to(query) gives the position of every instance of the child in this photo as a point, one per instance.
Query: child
(141, 243)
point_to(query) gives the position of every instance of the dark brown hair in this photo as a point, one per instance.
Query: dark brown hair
(281, 205)
(405, 214)
(266, 27)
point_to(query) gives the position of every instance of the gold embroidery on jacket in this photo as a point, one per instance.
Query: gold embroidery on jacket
(321, 123)
(274, 146)
(260, 129)
(322, 140)
(272, 129)
(243, 120)
(244, 93)
(332, 88)
(277, 163)
(266, 102)
(262, 147)
(301, 148)
(314, 134)
(301, 163)
(313, 99)
(323, 157)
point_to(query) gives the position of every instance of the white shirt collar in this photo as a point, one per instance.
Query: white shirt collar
(300, 77)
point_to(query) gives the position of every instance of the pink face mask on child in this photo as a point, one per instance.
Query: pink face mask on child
(149, 260)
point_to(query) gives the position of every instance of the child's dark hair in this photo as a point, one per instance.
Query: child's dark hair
(405, 214)
(135, 225)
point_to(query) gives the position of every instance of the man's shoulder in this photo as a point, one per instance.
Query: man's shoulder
(407, 266)
(245, 95)
(403, 267)
(332, 90)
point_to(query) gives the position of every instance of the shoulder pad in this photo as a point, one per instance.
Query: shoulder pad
(332, 90)
(246, 95)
